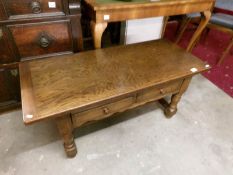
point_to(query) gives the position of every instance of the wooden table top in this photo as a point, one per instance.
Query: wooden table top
(54, 86)
(119, 4)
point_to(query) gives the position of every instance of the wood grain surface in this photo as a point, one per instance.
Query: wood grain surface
(117, 4)
(67, 84)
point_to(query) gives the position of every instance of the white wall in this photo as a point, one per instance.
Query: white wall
(143, 30)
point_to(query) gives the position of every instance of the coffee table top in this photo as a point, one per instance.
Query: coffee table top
(58, 85)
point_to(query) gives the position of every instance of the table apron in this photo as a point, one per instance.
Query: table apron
(150, 11)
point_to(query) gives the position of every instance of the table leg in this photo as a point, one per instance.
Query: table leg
(183, 26)
(226, 51)
(205, 16)
(65, 128)
(97, 32)
(171, 109)
(165, 21)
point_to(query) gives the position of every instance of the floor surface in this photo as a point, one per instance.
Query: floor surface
(196, 141)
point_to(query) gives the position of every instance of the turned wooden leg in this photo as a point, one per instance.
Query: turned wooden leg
(171, 108)
(226, 51)
(97, 32)
(205, 16)
(65, 128)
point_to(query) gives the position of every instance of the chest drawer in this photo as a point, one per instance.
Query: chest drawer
(6, 53)
(34, 8)
(159, 91)
(101, 112)
(42, 39)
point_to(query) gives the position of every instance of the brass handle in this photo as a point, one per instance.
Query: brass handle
(36, 8)
(44, 42)
(106, 110)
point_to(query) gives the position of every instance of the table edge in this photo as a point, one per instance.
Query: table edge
(95, 6)
(26, 87)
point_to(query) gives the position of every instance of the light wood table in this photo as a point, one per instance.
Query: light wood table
(78, 89)
(101, 12)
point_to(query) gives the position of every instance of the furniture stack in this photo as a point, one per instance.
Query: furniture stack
(32, 29)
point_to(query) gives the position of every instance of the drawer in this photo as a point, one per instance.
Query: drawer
(159, 91)
(101, 112)
(33, 8)
(42, 39)
(6, 50)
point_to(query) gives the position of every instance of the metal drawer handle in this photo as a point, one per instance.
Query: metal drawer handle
(44, 42)
(106, 110)
(36, 8)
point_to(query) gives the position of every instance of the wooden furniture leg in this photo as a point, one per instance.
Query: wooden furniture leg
(205, 17)
(171, 109)
(226, 52)
(184, 23)
(64, 125)
(97, 30)
(165, 21)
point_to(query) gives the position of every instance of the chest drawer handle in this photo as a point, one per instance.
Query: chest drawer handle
(106, 110)
(44, 42)
(35, 5)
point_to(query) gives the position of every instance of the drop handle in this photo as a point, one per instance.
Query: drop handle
(36, 8)
(44, 42)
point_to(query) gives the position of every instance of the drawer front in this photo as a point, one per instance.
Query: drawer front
(159, 91)
(101, 112)
(33, 8)
(42, 39)
(6, 52)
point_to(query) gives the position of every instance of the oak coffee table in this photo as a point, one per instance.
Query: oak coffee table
(75, 90)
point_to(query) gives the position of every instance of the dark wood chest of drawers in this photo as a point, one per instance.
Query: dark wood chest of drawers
(32, 29)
